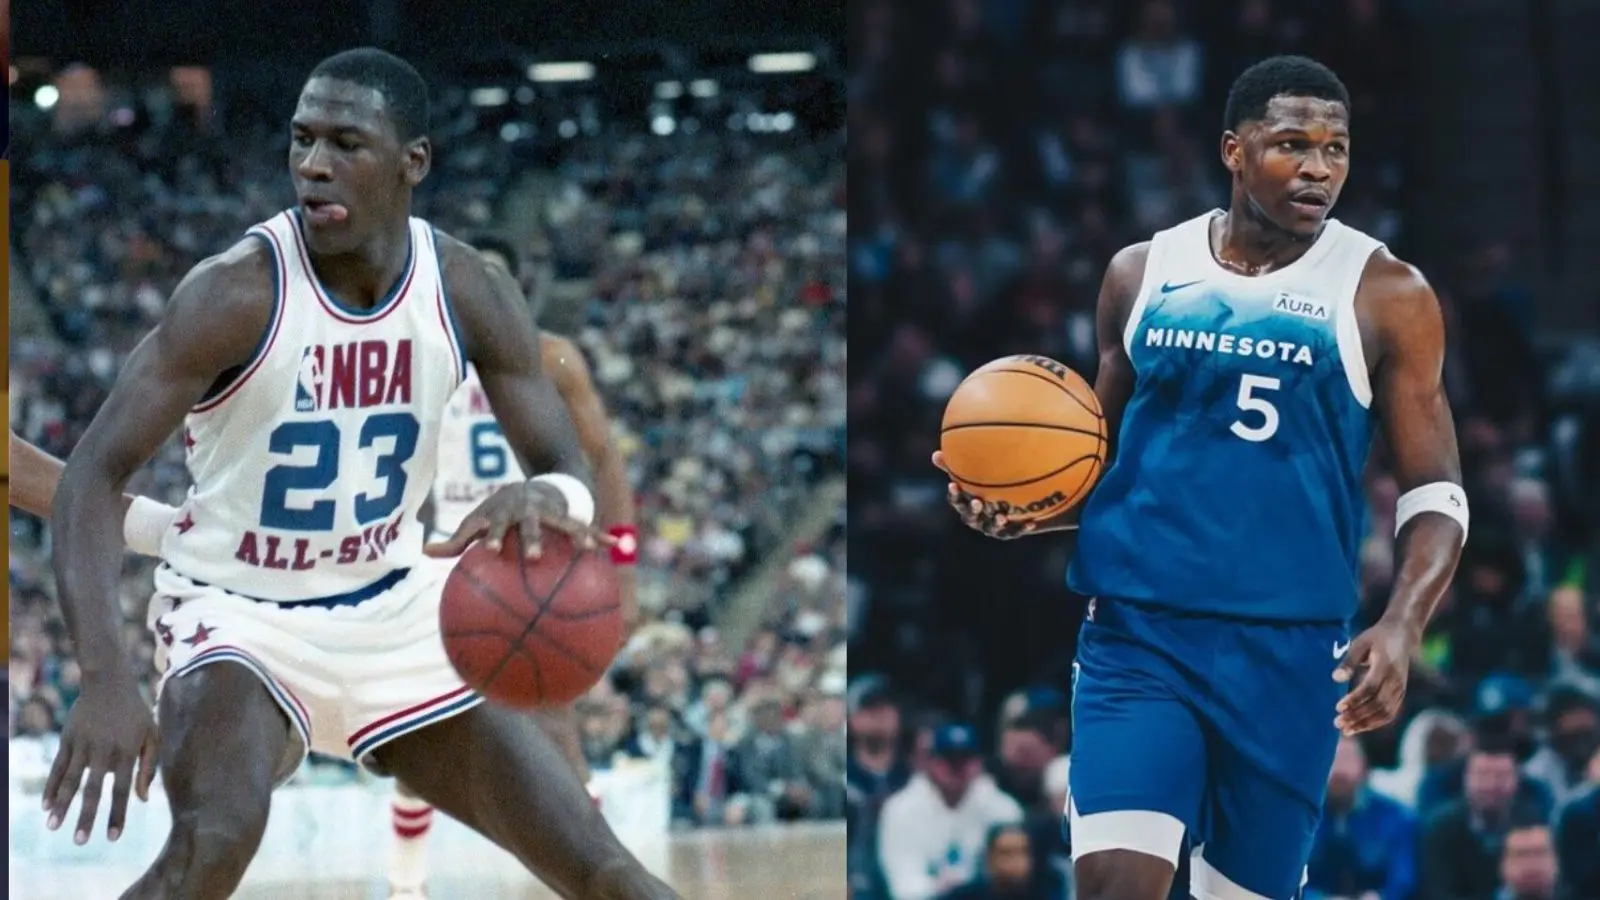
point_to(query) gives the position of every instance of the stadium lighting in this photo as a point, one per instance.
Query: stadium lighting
(46, 97)
(770, 63)
(490, 96)
(704, 87)
(663, 125)
(669, 90)
(561, 71)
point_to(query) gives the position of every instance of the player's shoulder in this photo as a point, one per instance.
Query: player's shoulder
(1391, 286)
(468, 276)
(1130, 261)
(240, 278)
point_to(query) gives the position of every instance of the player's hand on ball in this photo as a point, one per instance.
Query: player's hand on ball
(109, 730)
(1378, 661)
(979, 515)
(530, 507)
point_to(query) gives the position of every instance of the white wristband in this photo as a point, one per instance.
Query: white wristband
(1441, 497)
(580, 503)
(146, 524)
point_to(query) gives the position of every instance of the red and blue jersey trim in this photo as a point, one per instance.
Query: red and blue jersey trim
(411, 719)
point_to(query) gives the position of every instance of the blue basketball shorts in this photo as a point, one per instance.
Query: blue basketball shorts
(1197, 730)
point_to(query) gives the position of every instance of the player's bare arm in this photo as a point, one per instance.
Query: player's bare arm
(1404, 331)
(1113, 385)
(38, 476)
(564, 363)
(212, 324)
(502, 343)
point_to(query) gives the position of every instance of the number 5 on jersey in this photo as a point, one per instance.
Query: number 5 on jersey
(1252, 403)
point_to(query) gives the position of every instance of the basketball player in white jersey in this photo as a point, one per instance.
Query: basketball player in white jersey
(474, 461)
(295, 608)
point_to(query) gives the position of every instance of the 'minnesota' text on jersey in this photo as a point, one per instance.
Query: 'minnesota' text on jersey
(1236, 488)
(311, 464)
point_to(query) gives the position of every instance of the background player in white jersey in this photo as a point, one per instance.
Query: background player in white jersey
(474, 461)
(295, 608)
(1246, 359)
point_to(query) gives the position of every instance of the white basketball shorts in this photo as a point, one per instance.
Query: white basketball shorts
(350, 678)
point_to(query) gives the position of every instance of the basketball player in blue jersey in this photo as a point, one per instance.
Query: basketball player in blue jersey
(309, 366)
(1246, 358)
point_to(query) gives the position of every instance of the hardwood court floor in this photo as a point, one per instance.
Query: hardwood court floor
(791, 863)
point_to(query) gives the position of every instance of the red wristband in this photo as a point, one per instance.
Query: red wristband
(625, 552)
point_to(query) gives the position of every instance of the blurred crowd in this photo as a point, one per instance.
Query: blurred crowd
(703, 275)
(1003, 151)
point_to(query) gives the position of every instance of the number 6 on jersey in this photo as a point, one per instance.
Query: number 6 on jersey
(1251, 402)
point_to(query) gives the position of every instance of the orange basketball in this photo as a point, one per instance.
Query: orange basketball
(1025, 431)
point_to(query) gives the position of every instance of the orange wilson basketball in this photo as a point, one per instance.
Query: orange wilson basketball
(531, 633)
(1026, 431)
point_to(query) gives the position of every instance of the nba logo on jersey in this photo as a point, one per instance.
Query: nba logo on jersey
(308, 388)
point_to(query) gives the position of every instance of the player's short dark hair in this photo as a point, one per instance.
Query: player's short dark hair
(1279, 76)
(404, 91)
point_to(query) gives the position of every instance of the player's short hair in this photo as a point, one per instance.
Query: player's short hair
(404, 91)
(1279, 76)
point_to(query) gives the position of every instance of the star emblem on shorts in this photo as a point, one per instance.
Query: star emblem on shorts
(200, 636)
(184, 524)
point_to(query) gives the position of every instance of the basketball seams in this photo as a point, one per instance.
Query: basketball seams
(1016, 484)
(1041, 425)
(1054, 381)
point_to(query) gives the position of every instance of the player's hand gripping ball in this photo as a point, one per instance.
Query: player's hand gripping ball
(1023, 441)
(532, 632)
(531, 507)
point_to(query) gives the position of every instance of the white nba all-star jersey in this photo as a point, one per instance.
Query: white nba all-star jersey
(474, 458)
(311, 464)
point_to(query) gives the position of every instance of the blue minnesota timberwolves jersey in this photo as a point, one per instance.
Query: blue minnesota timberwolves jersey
(1236, 488)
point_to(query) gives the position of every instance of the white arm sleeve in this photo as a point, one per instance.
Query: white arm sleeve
(146, 524)
(1441, 497)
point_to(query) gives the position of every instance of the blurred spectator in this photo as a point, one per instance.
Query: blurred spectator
(1463, 842)
(932, 833)
(1528, 867)
(1572, 736)
(1577, 838)
(1504, 719)
(1432, 739)
(769, 767)
(1366, 844)
(1009, 872)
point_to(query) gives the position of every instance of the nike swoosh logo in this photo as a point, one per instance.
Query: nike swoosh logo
(1339, 650)
(1169, 287)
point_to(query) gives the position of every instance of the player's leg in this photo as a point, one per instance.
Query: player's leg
(1138, 761)
(412, 818)
(1273, 744)
(223, 743)
(509, 781)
